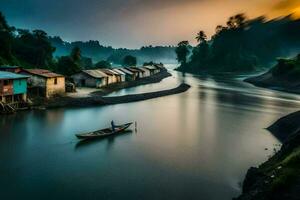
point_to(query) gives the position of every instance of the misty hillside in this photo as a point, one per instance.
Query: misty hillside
(97, 52)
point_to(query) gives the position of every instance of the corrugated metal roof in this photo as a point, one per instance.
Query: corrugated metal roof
(9, 67)
(144, 69)
(150, 67)
(126, 71)
(132, 70)
(96, 73)
(9, 75)
(42, 72)
(160, 66)
(137, 69)
(113, 72)
(107, 72)
(119, 71)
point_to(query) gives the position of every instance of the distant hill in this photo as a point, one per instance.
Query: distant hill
(284, 76)
(98, 52)
(243, 45)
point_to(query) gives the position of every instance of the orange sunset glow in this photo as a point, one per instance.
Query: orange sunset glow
(143, 22)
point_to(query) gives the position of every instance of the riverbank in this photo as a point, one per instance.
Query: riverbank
(98, 100)
(284, 76)
(103, 91)
(267, 80)
(279, 177)
(91, 96)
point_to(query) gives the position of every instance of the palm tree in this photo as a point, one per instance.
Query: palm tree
(201, 37)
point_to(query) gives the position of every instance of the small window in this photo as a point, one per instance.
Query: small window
(55, 81)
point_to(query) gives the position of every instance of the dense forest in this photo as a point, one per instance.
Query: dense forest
(242, 45)
(98, 52)
(35, 49)
(24, 47)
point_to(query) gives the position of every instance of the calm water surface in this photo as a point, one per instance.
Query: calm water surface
(195, 145)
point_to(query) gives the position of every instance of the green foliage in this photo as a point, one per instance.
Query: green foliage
(22, 47)
(103, 64)
(129, 61)
(67, 66)
(182, 52)
(33, 48)
(287, 69)
(287, 175)
(76, 54)
(292, 160)
(5, 41)
(283, 181)
(86, 63)
(243, 45)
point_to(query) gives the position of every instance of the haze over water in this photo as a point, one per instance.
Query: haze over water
(198, 144)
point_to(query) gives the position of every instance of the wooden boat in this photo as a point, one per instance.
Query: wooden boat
(104, 132)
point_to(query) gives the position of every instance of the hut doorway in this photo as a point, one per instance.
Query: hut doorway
(82, 82)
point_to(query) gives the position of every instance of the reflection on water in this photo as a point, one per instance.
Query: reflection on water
(196, 144)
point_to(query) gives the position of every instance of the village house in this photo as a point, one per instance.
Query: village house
(147, 72)
(13, 88)
(13, 69)
(138, 70)
(120, 75)
(111, 76)
(134, 71)
(90, 78)
(44, 82)
(160, 67)
(153, 69)
(129, 76)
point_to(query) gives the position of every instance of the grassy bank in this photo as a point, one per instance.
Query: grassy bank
(285, 76)
(279, 177)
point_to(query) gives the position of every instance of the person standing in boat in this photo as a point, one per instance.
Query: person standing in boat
(113, 127)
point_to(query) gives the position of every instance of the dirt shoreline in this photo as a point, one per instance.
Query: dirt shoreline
(101, 101)
(268, 81)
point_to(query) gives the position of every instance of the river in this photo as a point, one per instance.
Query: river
(194, 145)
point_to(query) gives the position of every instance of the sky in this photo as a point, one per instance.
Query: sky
(135, 23)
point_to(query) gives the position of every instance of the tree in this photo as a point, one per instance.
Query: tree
(67, 66)
(219, 29)
(76, 54)
(237, 21)
(3, 23)
(86, 63)
(5, 40)
(201, 37)
(129, 61)
(182, 52)
(103, 64)
(43, 49)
